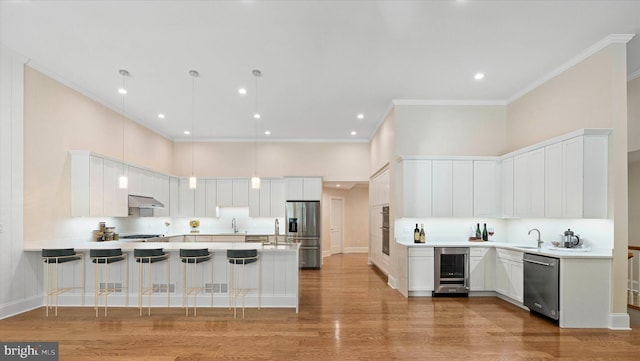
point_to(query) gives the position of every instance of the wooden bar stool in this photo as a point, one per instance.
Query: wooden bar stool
(149, 256)
(104, 258)
(53, 258)
(242, 258)
(190, 259)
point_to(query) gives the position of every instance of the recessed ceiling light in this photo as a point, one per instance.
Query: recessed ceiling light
(186, 132)
(161, 116)
(338, 185)
(242, 91)
(478, 76)
(266, 132)
(122, 91)
(360, 116)
(256, 115)
(353, 132)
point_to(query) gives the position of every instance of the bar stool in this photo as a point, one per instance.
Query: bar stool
(242, 257)
(53, 258)
(190, 259)
(149, 256)
(106, 257)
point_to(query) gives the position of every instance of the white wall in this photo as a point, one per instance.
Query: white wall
(633, 104)
(20, 287)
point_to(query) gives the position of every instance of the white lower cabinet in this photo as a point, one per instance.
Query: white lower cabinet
(420, 269)
(509, 274)
(481, 269)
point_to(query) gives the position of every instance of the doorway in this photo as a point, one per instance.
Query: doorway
(337, 225)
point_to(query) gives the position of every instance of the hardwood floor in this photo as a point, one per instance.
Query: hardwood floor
(347, 312)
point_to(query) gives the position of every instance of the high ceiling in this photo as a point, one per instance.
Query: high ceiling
(322, 62)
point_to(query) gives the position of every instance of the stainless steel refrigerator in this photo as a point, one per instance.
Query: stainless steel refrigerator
(303, 226)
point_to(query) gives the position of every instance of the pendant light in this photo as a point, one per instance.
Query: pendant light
(123, 181)
(194, 74)
(255, 180)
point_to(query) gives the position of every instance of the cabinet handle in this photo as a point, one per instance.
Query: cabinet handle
(539, 263)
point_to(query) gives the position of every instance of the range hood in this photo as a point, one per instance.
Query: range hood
(144, 202)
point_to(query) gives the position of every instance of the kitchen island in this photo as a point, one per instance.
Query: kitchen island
(496, 269)
(278, 279)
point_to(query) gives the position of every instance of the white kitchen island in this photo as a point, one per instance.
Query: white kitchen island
(585, 277)
(278, 279)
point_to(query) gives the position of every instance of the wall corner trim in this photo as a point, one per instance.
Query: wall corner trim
(608, 40)
(619, 321)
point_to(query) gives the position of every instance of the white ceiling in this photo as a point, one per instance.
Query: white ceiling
(323, 62)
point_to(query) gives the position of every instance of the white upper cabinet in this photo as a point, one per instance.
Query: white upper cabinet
(94, 187)
(442, 186)
(485, 188)
(233, 192)
(379, 189)
(116, 202)
(277, 198)
(529, 184)
(268, 200)
(576, 177)
(537, 173)
(507, 188)
(462, 188)
(174, 197)
(225, 192)
(161, 190)
(303, 188)
(416, 188)
(211, 200)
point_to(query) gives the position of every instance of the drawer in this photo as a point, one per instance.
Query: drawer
(509, 254)
(420, 251)
(478, 251)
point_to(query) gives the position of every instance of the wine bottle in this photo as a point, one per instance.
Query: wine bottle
(485, 235)
(416, 234)
(478, 234)
(423, 237)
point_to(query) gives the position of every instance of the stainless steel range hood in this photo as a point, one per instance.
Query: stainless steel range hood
(144, 202)
(140, 206)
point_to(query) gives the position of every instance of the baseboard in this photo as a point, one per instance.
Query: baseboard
(17, 307)
(619, 321)
(356, 250)
(392, 281)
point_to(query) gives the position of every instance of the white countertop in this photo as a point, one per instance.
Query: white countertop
(545, 250)
(175, 246)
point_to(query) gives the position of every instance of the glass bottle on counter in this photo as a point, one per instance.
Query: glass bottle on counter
(416, 234)
(423, 237)
(485, 235)
(478, 234)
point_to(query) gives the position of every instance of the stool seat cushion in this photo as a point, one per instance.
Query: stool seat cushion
(150, 255)
(195, 255)
(59, 255)
(242, 256)
(106, 255)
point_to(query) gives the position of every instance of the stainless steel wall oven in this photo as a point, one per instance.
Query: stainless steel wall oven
(451, 271)
(385, 230)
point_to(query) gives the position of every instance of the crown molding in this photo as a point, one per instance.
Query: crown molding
(384, 116)
(611, 39)
(634, 75)
(481, 102)
(271, 140)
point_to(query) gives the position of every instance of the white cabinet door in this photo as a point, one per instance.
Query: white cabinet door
(553, 180)
(134, 176)
(116, 200)
(199, 197)
(96, 186)
(146, 183)
(211, 200)
(516, 280)
(572, 151)
(293, 189)
(484, 188)
(161, 193)
(240, 193)
(174, 197)
(522, 185)
(277, 198)
(254, 199)
(462, 188)
(420, 273)
(265, 199)
(416, 188)
(502, 276)
(187, 199)
(507, 188)
(536, 159)
(312, 189)
(476, 273)
(442, 188)
(595, 176)
(225, 192)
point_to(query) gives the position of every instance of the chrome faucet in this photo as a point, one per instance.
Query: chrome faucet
(539, 241)
(234, 225)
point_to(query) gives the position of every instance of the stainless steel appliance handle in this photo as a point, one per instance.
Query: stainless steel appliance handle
(304, 219)
(466, 271)
(539, 263)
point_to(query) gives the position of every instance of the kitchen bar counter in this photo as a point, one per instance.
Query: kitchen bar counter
(278, 273)
(545, 250)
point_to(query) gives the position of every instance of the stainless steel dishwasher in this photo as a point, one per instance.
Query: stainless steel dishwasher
(542, 284)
